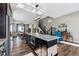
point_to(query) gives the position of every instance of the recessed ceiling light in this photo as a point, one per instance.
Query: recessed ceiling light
(39, 12)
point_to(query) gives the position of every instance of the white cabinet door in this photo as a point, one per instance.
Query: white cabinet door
(44, 50)
(39, 51)
(52, 50)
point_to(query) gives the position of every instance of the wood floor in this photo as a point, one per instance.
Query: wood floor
(19, 47)
(67, 50)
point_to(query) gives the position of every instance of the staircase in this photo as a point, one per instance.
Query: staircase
(51, 30)
(43, 28)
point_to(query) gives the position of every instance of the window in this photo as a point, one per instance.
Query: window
(20, 28)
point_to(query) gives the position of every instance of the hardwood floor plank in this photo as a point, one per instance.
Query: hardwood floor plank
(19, 47)
(67, 50)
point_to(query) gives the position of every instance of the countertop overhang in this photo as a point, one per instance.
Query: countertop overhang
(43, 36)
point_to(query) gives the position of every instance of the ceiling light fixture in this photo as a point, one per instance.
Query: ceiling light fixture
(36, 6)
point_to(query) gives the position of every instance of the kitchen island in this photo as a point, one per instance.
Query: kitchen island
(43, 45)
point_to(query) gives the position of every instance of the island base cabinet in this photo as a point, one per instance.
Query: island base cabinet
(44, 50)
(41, 50)
(38, 51)
(52, 50)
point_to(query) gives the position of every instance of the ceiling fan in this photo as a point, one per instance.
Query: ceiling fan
(36, 9)
(39, 12)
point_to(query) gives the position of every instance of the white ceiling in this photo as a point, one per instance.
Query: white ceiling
(23, 16)
(50, 9)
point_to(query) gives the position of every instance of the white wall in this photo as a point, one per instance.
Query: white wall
(72, 22)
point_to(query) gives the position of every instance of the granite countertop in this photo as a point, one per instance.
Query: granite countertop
(43, 37)
(2, 41)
